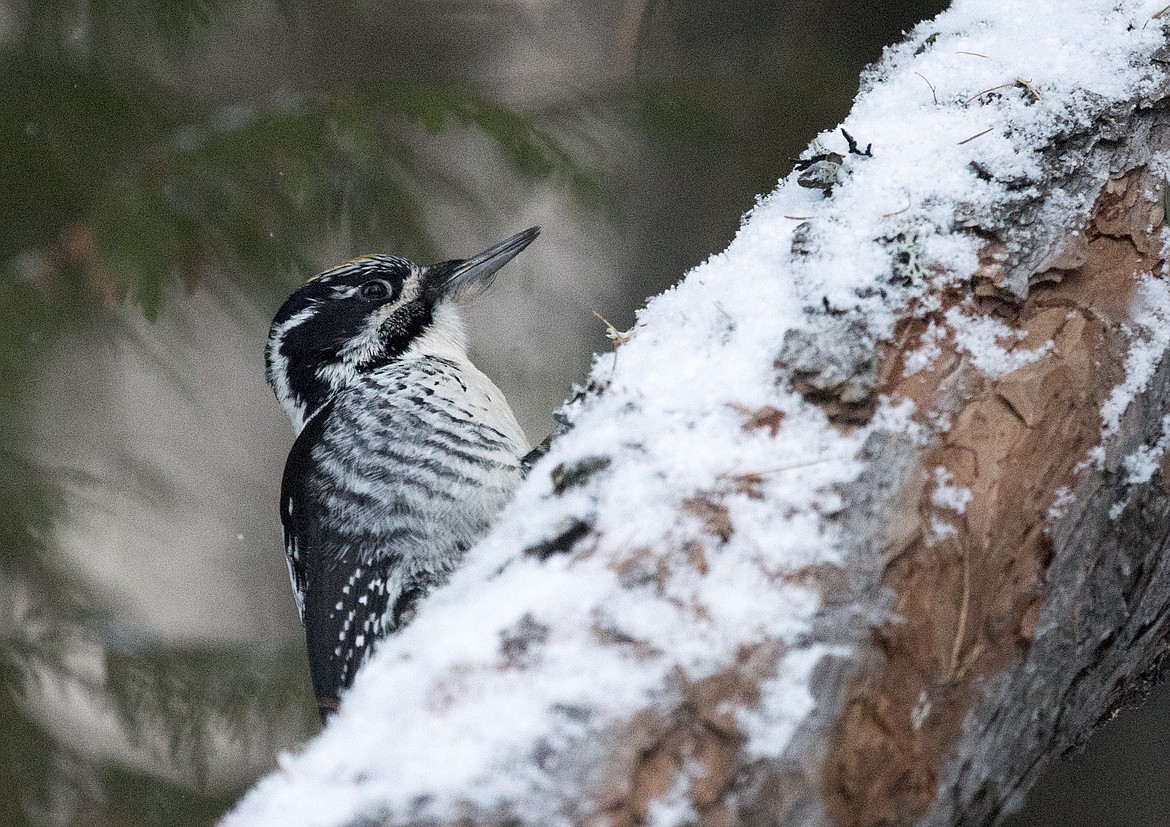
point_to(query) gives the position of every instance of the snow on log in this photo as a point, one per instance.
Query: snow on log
(866, 520)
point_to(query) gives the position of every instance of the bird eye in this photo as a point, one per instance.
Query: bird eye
(376, 289)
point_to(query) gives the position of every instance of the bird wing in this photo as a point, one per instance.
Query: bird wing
(348, 610)
(349, 585)
(297, 520)
(292, 551)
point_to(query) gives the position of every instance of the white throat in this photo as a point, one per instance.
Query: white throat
(444, 337)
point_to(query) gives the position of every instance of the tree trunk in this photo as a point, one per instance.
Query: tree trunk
(865, 522)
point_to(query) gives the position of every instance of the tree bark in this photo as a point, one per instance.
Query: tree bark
(999, 580)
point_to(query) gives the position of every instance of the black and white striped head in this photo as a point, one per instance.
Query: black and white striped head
(366, 313)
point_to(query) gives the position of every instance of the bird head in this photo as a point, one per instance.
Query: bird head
(366, 313)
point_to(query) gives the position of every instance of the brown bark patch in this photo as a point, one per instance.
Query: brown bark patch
(715, 516)
(969, 582)
(696, 746)
(767, 417)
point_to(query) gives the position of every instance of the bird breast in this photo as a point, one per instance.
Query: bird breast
(414, 462)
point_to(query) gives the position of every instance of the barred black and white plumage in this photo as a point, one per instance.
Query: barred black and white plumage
(405, 451)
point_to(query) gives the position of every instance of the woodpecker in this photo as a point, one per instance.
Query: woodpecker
(404, 450)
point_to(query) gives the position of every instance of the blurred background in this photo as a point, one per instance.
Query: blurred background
(171, 169)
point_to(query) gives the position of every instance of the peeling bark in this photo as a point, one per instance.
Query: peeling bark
(969, 602)
(1011, 634)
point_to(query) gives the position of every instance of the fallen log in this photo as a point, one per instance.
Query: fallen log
(864, 521)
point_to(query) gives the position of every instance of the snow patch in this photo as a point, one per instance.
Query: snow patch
(927, 352)
(675, 808)
(940, 531)
(949, 496)
(981, 336)
(1143, 463)
(785, 702)
(921, 711)
(1064, 498)
(1149, 334)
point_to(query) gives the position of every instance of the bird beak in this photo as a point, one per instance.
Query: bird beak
(451, 277)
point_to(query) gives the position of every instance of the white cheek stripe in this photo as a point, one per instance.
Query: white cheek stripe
(295, 408)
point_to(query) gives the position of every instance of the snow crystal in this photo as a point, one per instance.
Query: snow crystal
(675, 807)
(1141, 465)
(1064, 498)
(980, 337)
(940, 530)
(785, 702)
(946, 495)
(927, 352)
(921, 711)
(447, 716)
(1149, 333)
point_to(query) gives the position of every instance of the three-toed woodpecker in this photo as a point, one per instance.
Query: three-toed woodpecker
(404, 452)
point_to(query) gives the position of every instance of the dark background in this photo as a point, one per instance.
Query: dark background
(170, 169)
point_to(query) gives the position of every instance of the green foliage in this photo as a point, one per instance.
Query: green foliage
(177, 21)
(195, 695)
(176, 24)
(62, 126)
(170, 186)
(256, 188)
(189, 696)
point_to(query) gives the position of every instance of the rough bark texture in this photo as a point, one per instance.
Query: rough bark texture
(1013, 633)
(968, 700)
